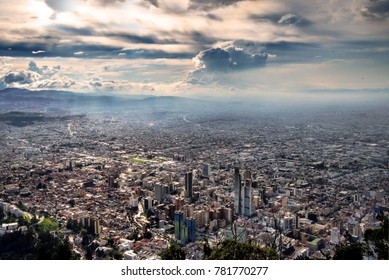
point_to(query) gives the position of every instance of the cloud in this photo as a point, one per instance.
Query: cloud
(138, 39)
(25, 49)
(22, 77)
(109, 2)
(226, 58)
(171, 6)
(152, 54)
(34, 68)
(177, 6)
(70, 78)
(35, 77)
(290, 19)
(208, 5)
(229, 58)
(59, 5)
(376, 9)
(45, 71)
(38, 52)
(153, 2)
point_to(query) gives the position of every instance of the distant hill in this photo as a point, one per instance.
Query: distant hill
(13, 99)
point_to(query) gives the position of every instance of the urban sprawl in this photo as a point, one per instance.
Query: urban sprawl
(300, 183)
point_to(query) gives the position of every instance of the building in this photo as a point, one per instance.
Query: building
(237, 192)
(206, 170)
(158, 193)
(191, 227)
(335, 236)
(92, 225)
(188, 184)
(246, 196)
(178, 224)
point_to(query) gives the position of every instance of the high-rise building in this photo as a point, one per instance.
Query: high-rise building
(178, 224)
(191, 225)
(147, 203)
(238, 192)
(188, 184)
(206, 170)
(95, 227)
(92, 225)
(247, 205)
(263, 195)
(158, 192)
(185, 230)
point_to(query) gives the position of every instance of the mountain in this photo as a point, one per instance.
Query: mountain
(13, 99)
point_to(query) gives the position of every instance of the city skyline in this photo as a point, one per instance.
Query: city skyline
(197, 48)
(193, 129)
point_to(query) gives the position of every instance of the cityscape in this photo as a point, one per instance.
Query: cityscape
(301, 183)
(194, 130)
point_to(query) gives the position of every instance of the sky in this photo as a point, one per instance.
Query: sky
(228, 48)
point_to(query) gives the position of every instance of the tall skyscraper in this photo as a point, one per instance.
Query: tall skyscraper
(238, 192)
(191, 226)
(158, 192)
(247, 205)
(188, 184)
(206, 170)
(178, 224)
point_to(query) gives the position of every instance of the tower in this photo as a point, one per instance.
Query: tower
(247, 205)
(158, 192)
(206, 170)
(188, 185)
(238, 192)
(178, 224)
(191, 226)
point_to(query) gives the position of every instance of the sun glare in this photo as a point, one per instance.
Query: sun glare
(41, 11)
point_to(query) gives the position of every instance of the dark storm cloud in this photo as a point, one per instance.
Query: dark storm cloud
(376, 9)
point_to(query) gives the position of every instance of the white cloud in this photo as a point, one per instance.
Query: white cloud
(38, 52)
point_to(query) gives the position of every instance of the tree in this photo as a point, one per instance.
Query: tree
(353, 251)
(232, 249)
(173, 252)
(378, 239)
